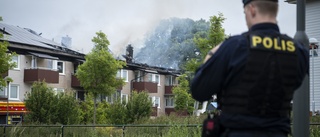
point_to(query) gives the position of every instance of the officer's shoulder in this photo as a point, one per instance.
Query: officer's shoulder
(233, 39)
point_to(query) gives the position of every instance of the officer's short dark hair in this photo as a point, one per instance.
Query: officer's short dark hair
(266, 7)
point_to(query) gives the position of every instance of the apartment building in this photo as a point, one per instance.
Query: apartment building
(42, 59)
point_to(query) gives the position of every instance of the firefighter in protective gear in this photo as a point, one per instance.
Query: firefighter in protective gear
(254, 75)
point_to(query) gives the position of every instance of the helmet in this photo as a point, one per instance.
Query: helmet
(313, 41)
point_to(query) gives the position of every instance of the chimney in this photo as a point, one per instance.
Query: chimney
(129, 53)
(66, 41)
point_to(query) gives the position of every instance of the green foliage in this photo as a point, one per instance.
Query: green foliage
(5, 60)
(40, 104)
(117, 113)
(47, 108)
(182, 98)
(207, 41)
(97, 74)
(68, 108)
(101, 42)
(87, 109)
(139, 106)
(102, 112)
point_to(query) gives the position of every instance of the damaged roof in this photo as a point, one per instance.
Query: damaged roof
(25, 36)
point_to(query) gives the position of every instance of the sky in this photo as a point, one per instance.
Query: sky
(124, 21)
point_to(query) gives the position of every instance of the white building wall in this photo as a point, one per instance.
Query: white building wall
(313, 31)
(315, 83)
(313, 19)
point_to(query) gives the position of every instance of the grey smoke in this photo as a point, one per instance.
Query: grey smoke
(171, 44)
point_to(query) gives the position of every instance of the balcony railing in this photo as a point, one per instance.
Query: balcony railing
(75, 81)
(168, 90)
(40, 74)
(150, 87)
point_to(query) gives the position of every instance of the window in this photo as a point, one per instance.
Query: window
(138, 76)
(123, 74)
(154, 78)
(16, 60)
(112, 98)
(58, 90)
(34, 62)
(155, 101)
(50, 64)
(124, 98)
(170, 80)
(169, 101)
(14, 92)
(60, 67)
(80, 95)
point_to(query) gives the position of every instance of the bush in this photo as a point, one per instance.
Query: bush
(45, 107)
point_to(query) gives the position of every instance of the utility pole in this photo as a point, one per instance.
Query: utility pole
(301, 99)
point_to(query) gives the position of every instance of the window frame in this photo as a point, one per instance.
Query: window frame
(18, 91)
(121, 71)
(126, 98)
(152, 78)
(171, 101)
(170, 80)
(58, 90)
(153, 100)
(18, 62)
(63, 68)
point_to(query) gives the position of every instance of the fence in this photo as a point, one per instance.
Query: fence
(100, 130)
(172, 130)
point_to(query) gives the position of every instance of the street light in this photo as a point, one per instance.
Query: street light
(7, 79)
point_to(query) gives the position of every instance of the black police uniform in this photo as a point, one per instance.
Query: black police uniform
(254, 76)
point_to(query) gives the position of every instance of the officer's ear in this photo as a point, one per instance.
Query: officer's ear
(252, 10)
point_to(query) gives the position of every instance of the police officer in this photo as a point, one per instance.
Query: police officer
(254, 75)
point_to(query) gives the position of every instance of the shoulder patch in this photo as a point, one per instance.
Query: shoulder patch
(275, 43)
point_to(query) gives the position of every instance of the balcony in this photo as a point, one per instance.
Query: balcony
(75, 81)
(168, 90)
(38, 74)
(150, 87)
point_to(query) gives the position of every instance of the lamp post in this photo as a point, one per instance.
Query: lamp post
(301, 99)
(7, 118)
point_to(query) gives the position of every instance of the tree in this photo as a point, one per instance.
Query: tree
(139, 106)
(45, 107)
(98, 74)
(5, 60)
(41, 104)
(117, 112)
(68, 108)
(182, 98)
(207, 41)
